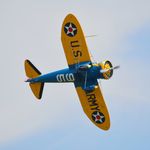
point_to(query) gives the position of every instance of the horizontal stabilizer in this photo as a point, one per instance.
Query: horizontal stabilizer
(37, 89)
(33, 72)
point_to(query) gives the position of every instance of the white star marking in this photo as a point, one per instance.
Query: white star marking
(70, 29)
(98, 117)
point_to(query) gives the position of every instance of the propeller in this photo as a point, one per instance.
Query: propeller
(113, 68)
(89, 36)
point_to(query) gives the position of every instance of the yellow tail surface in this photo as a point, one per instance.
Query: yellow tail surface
(33, 72)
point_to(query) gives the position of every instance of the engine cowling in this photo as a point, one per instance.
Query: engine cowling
(106, 65)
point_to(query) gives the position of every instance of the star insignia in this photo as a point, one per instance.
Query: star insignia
(98, 117)
(70, 29)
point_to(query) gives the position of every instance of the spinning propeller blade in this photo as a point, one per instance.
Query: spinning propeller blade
(88, 36)
(113, 68)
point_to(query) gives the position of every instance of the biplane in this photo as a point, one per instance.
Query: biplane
(81, 71)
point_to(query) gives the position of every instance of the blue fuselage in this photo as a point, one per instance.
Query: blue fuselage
(79, 74)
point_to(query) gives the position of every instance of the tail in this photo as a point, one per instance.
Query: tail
(32, 72)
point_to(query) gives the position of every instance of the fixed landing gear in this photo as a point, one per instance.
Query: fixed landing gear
(90, 89)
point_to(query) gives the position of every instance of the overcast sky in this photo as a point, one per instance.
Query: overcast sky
(32, 30)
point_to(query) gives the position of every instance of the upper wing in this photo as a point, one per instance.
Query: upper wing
(95, 108)
(73, 41)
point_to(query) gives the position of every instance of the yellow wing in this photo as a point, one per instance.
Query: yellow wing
(73, 41)
(95, 108)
